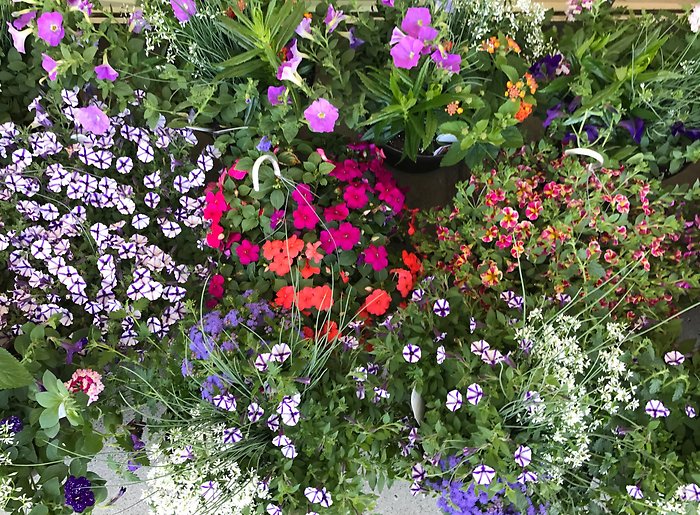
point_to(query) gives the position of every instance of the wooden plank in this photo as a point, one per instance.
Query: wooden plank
(557, 5)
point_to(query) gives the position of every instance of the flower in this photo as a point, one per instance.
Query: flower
(50, 28)
(694, 19)
(18, 37)
(183, 9)
(524, 111)
(336, 213)
(92, 119)
(355, 42)
(137, 23)
(376, 256)
(656, 409)
(248, 252)
(321, 115)
(333, 18)
(407, 52)
(346, 236)
(450, 62)
(275, 94)
(50, 66)
(483, 474)
(78, 493)
(417, 24)
(14, 423)
(635, 126)
(288, 69)
(305, 217)
(86, 381)
(106, 72)
(304, 28)
(264, 145)
(23, 20)
(355, 196)
(377, 302)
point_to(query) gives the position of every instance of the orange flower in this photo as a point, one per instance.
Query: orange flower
(329, 330)
(272, 249)
(308, 270)
(281, 266)
(377, 302)
(323, 298)
(344, 276)
(453, 108)
(531, 82)
(524, 111)
(404, 281)
(306, 298)
(491, 44)
(412, 262)
(515, 91)
(294, 246)
(512, 45)
(285, 297)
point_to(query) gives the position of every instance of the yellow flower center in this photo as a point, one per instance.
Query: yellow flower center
(54, 27)
(411, 54)
(321, 115)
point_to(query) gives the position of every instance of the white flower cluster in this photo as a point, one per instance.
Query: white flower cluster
(191, 475)
(473, 21)
(7, 487)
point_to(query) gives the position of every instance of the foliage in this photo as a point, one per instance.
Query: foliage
(632, 85)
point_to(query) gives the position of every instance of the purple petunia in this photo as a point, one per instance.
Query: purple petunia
(19, 37)
(50, 28)
(275, 94)
(333, 18)
(407, 52)
(183, 9)
(106, 72)
(78, 493)
(656, 409)
(92, 119)
(321, 115)
(50, 66)
(417, 23)
(635, 127)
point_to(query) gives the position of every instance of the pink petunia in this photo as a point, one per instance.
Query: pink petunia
(19, 37)
(376, 256)
(248, 252)
(355, 196)
(106, 72)
(50, 28)
(275, 94)
(92, 119)
(321, 115)
(407, 52)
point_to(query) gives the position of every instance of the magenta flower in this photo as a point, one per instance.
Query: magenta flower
(305, 217)
(18, 37)
(304, 28)
(389, 3)
(346, 236)
(321, 115)
(50, 28)
(302, 194)
(333, 18)
(407, 52)
(417, 19)
(355, 196)
(336, 213)
(92, 119)
(248, 252)
(106, 72)
(275, 94)
(450, 62)
(376, 256)
(183, 9)
(50, 66)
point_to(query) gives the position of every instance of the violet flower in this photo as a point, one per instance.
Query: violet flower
(50, 66)
(92, 119)
(417, 22)
(450, 62)
(304, 28)
(275, 94)
(106, 72)
(137, 23)
(23, 20)
(635, 126)
(183, 9)
(19, 38)
(321, 115)
(333, 18)
(407, 52)
(355, 42)
(288, 69)
(50, 28)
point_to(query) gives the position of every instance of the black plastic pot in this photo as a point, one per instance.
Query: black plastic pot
(422, 164)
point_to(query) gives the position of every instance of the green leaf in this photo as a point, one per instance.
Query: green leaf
(48, 399)
(277, 199)
(12, 372)
(48, 418)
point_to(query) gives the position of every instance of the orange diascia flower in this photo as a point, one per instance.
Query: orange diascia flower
(492, 276)
(512, 45)
(524, 111)
(491, 44)
(453, 108)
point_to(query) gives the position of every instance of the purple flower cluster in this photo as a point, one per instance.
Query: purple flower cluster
(78, 493)
(99, 214)
(14, 422)
(456, 498)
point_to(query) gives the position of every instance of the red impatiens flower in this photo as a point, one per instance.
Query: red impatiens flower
(330, 330)
(404, 281)
(376, 256)
(248, 252)
(308, 270)
(412, 262)
(215, 236)
(377, 302)
(285, 297)
(355, 196)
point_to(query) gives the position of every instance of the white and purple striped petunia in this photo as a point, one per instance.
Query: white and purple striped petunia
(209, 490)
(483, 474)
(474, 394)
(281, 441)
(411, 353)
(492, 357)
(273, 509)
(417, 295)
(527, 476)
(690, 411)
(262, 360)
(441, 355)
(690, 492)
(479, 347)
(454, 400)
(472, 324)
(441, 307)
(289, 451)
(225, 401)
(273, 422)
(232, 435)
(656, 409)
(280, 352)
(255, 412)
(634, 492)
(418, 472)
(523, 455)
(674, 358)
